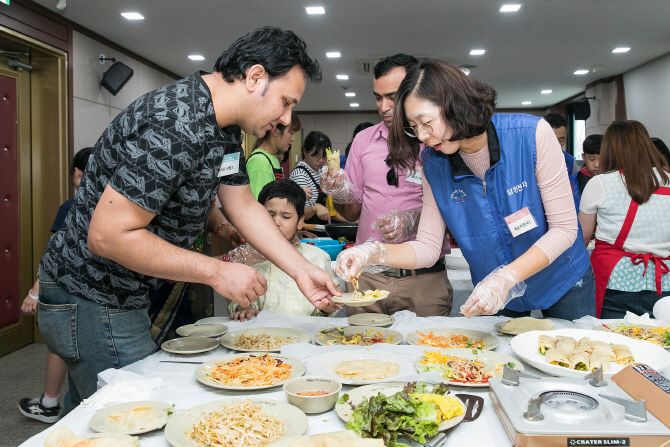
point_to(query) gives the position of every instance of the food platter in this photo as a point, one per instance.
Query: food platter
(333, 336)
(98, 421)
(490, 341)
(350, 301)
(356, 395)
(203, 370)
(324, 364)
(526, 347)
(190, 345)
(295, 421)
(491, 360)
(202, 330)
(603, 328)
(371, 319)
(229, 339)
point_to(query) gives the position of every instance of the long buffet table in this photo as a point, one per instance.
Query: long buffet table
(181, 388)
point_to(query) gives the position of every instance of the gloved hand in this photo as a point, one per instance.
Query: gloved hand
(493, 292)
(351, 262)
(248, 255)
(397, 225)
(338, 187)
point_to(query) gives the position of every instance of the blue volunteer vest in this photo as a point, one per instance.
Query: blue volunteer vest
(475, 210)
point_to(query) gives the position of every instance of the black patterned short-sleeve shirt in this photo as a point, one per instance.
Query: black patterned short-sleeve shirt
(164, 153)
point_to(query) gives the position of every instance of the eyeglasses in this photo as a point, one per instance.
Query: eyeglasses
(391, 176)
(427, 128)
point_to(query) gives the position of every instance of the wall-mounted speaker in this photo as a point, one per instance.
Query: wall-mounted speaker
(116, 77)
(581, 110)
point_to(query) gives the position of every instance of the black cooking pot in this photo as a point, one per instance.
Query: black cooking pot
(345, 230)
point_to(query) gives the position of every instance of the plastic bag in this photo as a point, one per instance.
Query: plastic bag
(398, 225)
(366, 257)
(248, 255)
(489, 296)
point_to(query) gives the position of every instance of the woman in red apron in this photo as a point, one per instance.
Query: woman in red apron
(631, 203)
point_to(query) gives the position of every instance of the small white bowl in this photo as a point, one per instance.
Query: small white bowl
(313, 404)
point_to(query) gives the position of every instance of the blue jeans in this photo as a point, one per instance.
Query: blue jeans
(617, 302)
(89, 337)
(579, 301)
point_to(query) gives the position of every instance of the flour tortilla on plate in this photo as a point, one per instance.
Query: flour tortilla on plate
(366, 369)
(527, 324)
(336, 439)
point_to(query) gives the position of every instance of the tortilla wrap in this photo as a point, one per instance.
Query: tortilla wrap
(584, 344)
(567, 344)
(604, 348)
(337, 439)
(135, 419)
(366, 369)
(579, 360)
(63, 437)
(527, 324)
(623, 355)
(333, 160)
(599, 359)
(558, 357)
(546, 342)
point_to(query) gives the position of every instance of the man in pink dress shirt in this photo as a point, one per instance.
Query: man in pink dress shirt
(388, 203)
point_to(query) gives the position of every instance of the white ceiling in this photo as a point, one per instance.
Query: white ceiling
(538, 47)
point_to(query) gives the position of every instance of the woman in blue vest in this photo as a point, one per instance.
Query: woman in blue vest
(498, 183)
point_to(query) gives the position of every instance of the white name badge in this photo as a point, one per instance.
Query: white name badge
(230, 165)
(520, 222)
(414, 177)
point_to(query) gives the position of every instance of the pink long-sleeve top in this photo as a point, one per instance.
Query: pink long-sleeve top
(555, 190)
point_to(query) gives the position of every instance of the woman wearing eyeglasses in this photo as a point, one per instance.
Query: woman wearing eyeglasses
(498, 182)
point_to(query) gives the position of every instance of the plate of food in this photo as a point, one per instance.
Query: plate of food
(263, 339)
(576, 352)
(360, 366)
(131, 418)
(452, 338)
(371, 319)
(64, 436)
(202, 330)
(518, 326)
(189, 345)
(336, 438)
(357, 336)
(424, 407)
(660, 336)
(361, 298)
(249, 371)
(466, 367)
(252, 422)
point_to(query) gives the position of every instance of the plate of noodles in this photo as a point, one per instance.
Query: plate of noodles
(263, 339)
(453, 338)
(249, 371)
(255, 422)
(659, 336)
(357, 336)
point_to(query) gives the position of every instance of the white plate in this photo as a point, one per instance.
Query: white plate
(99, 419)
(357, 395)
(490, 341)
(489, 358)
(228, 340)
(320, 365)
(525, 346)
(294, 419)
(347, 298)
(641, 326)
(377, 320)
(201, 372)
(345, 434)
(202, 330)
(322, 339)
(190, 345)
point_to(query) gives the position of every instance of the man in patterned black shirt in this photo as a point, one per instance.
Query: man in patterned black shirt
(146, 194)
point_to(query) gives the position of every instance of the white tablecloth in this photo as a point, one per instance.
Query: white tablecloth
(181, 388)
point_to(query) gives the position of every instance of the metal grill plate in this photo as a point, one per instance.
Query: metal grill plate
(569, 401)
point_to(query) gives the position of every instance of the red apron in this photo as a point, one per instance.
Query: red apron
(606, 256)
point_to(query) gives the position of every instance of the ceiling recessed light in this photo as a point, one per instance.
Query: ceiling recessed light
(350, 94)
(333, 54)
(526, 103)
(477, 52)
(315, 10)
(581, 72)
(510, 8)
(546, 92)
(354, 104)
(342, 77)
(620, 50)
(132, 15)
(196, 57)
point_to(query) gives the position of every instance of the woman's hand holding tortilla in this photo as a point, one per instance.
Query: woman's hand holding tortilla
(351, 262)
(494, 291)
(336, 185)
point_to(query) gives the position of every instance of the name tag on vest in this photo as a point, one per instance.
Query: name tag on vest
(520, 222)
(230, 165)
(414, 177)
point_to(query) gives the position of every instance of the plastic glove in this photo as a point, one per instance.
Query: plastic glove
(493, 292)
(351, 262)
(397, 226)
(248, 255)
(338, 187)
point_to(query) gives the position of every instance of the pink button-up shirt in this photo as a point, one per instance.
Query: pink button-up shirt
(366, 169)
